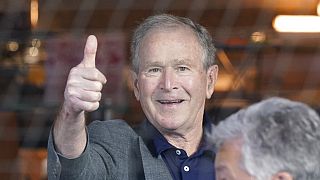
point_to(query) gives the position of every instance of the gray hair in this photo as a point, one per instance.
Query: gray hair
(279, 135)
(169, 21)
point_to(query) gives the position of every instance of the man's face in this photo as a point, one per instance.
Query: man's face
(228, 162)
(172, 84)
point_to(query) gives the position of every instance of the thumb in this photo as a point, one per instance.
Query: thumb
(90, 50)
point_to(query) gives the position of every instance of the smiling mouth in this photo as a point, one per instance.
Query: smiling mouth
(178, 101)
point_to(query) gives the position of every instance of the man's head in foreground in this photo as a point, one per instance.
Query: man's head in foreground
(275, 139)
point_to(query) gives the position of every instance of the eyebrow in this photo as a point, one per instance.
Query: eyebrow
(153, 63)
(182, 61)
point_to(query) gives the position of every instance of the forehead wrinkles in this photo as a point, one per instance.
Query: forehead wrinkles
(174, 62)
(180, 32)
(163, 37)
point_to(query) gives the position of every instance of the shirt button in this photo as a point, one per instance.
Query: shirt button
(186, 168)
(178, 152)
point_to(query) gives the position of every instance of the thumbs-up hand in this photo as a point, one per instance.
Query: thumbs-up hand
(85, 82)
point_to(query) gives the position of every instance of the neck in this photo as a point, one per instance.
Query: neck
(189, 141)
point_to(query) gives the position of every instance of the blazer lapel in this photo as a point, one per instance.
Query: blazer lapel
(154, 167)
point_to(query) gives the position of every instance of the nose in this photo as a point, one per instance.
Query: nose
(168, 80)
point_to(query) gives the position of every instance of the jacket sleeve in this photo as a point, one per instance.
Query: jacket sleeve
(108, 154)
(89, 165)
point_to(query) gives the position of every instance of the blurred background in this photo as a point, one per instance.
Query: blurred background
(260, 53)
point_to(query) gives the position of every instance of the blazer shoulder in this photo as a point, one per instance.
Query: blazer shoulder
(117, 127)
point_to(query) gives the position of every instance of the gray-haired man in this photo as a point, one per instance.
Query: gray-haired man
(174, 72)
(275, 139)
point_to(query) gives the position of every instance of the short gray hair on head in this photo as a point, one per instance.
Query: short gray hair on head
(279, 135)
(167, 21)
(231, 128)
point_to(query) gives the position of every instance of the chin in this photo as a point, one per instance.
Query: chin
(169, 124)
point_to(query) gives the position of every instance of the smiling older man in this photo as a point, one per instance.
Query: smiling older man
(174, 72)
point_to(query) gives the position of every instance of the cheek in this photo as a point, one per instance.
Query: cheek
(196, 84)
(147, 87)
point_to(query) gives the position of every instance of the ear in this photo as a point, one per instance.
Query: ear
(282, 176)
(212, 76)
(134, 78)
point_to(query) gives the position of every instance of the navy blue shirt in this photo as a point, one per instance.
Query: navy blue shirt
(199, 165)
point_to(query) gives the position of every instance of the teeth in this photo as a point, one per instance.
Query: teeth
(170, 101)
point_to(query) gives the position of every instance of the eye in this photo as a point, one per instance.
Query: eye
(154, 70)
(182, 68)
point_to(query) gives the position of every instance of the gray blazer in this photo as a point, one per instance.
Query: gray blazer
(114, 151)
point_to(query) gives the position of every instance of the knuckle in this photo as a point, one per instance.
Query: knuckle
(72, 79)
(72, 92)
(99, 86)
(99, 96)
(73, 70)
(93, 106)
